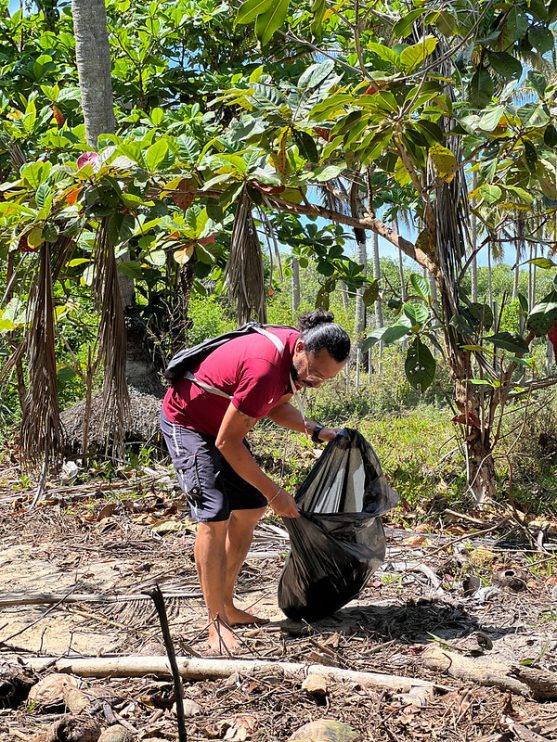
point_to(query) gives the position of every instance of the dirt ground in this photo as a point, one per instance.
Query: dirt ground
(488, 598)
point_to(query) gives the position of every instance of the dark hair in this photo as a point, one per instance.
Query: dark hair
(319, 332)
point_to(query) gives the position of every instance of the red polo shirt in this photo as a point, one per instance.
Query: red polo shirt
(249, 368)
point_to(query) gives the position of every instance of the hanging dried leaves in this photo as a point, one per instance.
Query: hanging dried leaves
(41, 430)
(112, 340)
(244, 272)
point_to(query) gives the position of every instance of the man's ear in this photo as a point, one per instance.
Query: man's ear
(299, 347)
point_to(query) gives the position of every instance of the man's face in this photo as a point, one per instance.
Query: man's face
(310, 370)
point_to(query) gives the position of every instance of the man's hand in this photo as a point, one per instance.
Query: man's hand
(282, 503)
(327, 434)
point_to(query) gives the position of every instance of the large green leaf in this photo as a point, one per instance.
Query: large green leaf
(509, 341)
(412, 57)
(420, 286)
(489, 121)
(542, 317)
(416, 313)
(490, 193)
(384, 52)
(419, 365)
(505, 65)
(394, 333)
(480, 89)
(249, 10)
(267, 23)
(316, 74)
(541, 38)
(156, 154)
(403, 27)
(443, 160)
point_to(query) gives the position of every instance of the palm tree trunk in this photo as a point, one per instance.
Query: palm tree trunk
(378, 304)
(473, 246)
(94, 68)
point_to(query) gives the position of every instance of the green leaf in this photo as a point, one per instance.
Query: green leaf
(156, 154)
(306, 146)
(267, 23)
(384, 52)
(403, 27)
(412, 57)
(542, 262)
(431, 130)
(416, 313)
(370, 294)
(420, 286)
(42, 194)
(479, 314)
(490, 193)
(419, 365)
(329, 172)
(249, 10)
(490, 119)
(315, 75)
(394, 333)
(550, 136)
(480, 90)
(444, 161)
(508, 341)
(541, 38)
(505, 65)
(542, 317)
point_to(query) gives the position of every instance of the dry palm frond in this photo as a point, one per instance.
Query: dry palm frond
(41, 430)
(112, 340)
(244, 271)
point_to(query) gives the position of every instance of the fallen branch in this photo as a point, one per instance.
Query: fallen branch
(12, 599)
(193, 668)
(525, 681)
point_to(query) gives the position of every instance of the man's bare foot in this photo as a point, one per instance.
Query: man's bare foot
(237, 617)
(222, 639)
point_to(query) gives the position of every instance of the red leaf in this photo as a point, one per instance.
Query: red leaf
(58, 115)
(183, 196)
(207, 240)
(71, 198)
(320, 131)
(468, 418)
(24, 246)
(88, 158)
(552, 337)
(371, 90)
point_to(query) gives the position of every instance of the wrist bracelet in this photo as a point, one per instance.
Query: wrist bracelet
(274, 496)
(315, 435)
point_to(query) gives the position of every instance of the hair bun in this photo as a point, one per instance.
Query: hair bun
(312, 319)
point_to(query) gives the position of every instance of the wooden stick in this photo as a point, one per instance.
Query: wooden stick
(158, 600)
(11, 599)
(526, 681)
(202, 669)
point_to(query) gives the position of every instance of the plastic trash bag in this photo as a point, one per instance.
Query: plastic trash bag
(338, 541)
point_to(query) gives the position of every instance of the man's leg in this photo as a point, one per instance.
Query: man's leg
(211, 562)
(241, 525)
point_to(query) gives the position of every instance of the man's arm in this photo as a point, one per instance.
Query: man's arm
(234, 428)
(286, 415)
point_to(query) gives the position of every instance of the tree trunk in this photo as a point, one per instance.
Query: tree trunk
(376, 265)
(296, 291)
(93, 67)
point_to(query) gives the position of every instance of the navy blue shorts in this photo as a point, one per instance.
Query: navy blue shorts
(211, 485)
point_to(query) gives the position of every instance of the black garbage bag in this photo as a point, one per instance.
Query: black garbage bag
(338, 541)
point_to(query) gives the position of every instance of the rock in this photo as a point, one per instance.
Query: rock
(76, 701)
(51, 691)
(116, 733)
(191, 708)
(324, 730)
(511, 578)
(15, 684)
(70, 729)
